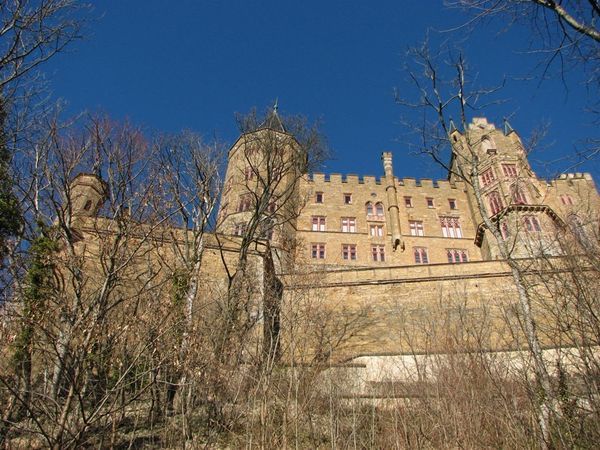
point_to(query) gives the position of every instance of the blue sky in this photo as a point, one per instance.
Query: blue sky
(193, 64)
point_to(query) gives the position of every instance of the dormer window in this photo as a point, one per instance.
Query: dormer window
(488, 145)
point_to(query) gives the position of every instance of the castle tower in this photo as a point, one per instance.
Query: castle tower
(511, 194)
(87, 195)
(260, 196)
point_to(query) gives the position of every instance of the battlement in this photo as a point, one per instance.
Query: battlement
(575, 177)
(350, 181)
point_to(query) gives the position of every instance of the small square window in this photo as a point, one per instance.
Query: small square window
(347, 199)
(319, 197)
(430, 202)
(452, 203)
(408, 202)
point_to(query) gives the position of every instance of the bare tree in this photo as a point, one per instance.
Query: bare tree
(441, 91)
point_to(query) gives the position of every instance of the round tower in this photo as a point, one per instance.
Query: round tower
(87, 194)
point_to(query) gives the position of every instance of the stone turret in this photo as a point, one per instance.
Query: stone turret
(392, 199)
(87, 195)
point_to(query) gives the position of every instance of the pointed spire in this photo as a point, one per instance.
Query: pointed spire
(273, 121)
(507, 128)
(452, 126)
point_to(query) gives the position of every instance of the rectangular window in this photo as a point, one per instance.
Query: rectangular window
(249, 173)
(378, 252)
(408, 202)
(504, 231)
(319, 197)
(239, 229)
(416, 227)
(349, 252)
(487, 177)
(429, 202)
(495, 202)
(510, 170)
(451, 227)
(348, 225)
(456, 255)
(245, 203)
(347, 199)
(452, 203)
(318, 223)
(317, 251)
(376, 230)
(566, 199)
(420, 254)
(532, 223)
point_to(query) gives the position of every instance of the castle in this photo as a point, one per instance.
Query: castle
(395, 253)
(350, 221)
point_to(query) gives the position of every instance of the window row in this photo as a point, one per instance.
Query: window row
(450, 226)
(530, 223)
(377, 209)
(488, 176)
(420, 254)
(349, 253)
(429, 201)
(246, 203)
(346, 197)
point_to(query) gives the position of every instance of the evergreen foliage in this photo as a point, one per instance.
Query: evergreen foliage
(10, 214)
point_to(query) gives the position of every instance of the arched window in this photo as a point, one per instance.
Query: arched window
(370, 210)
(576, 227)
(519, 197)
(488, 145)
(379, 209)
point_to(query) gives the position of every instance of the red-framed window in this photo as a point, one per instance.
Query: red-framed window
(376, 230)
(245, 203)
(348, 224)
(416, 227)
(378, 252)
(505, 231)
(317, 251)
(451, 227)
(495, 202)
(318, 223)
(420, 254)
(456, 255)
(239, 229)
(349, 252)
(509, 170)
(518, 195)
(487, 177)
(566, 199)
(248, 173)
(532, 224)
